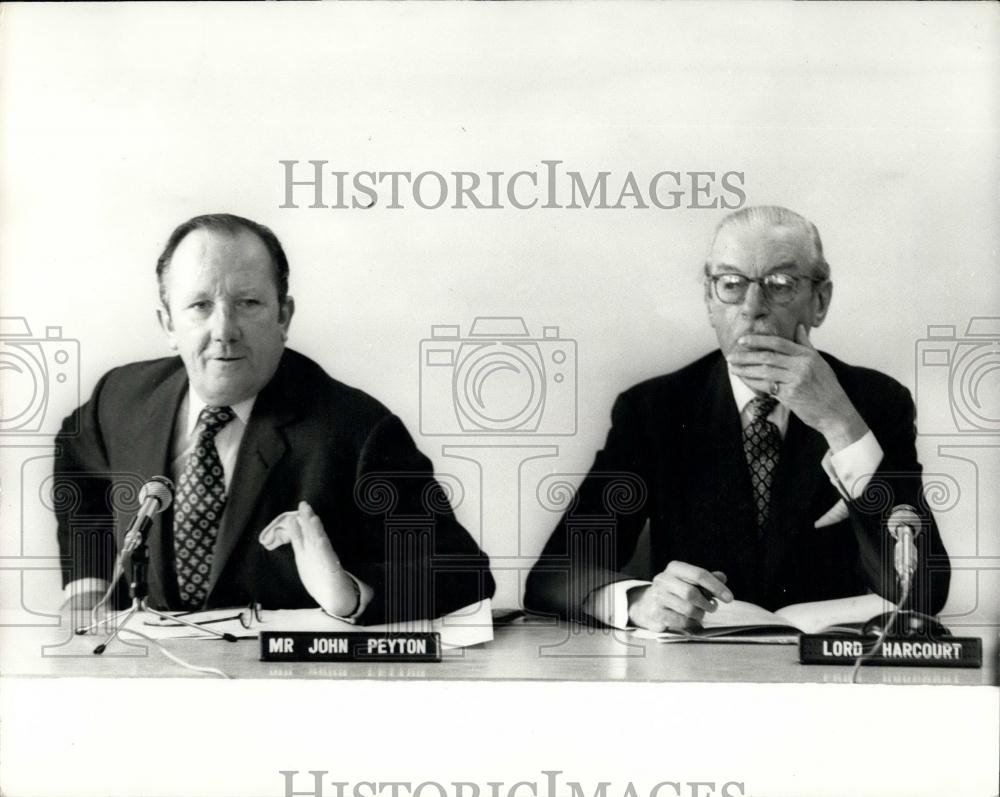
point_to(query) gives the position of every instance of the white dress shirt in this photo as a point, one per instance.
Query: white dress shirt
(849, 470)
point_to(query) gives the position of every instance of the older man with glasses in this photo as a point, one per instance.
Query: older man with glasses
(765, 470)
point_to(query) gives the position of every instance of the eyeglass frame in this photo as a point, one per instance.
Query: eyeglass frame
(798, 280)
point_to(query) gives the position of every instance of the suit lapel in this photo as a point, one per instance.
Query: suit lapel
(262, 446)
(727, 492)
(728, 496)
(795, 483)
(152, 436)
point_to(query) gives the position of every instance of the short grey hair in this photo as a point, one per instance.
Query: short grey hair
(774, 216)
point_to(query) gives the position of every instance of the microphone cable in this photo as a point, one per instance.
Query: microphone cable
(177, 659)
(882, 636)
(117, 573)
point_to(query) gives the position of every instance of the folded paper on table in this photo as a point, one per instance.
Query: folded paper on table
(747, 622)
(470, 625)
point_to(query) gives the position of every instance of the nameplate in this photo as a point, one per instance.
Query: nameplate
(349, 646)
(895, 652)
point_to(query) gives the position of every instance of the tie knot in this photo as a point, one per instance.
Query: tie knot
(762, 406)
(212, 419)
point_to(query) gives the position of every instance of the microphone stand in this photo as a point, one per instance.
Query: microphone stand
(902, 622)
(905, 525)
(907, 623)
(138, 591)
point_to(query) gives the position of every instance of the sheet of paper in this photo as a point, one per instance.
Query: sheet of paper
(739, 613)
(810, 618)
(820, 615)
(470, 625)
(776, 638)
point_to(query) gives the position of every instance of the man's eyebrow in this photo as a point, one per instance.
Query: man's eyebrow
(726, 268)
(785, 264)
(721, 266)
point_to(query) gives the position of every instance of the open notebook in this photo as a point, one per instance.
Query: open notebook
(468, 626)
(746, 622)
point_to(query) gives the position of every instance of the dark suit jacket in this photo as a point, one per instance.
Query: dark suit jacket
(674, 459)
(309, 438)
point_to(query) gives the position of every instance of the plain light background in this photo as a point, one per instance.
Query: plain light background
(122, 121)
(879, 123)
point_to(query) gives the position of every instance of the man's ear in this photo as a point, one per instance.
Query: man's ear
(285, 313)
(707, 296)
(822, 296)
(167, 325)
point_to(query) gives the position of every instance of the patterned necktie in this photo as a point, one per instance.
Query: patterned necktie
(761, 445)
(201, 497)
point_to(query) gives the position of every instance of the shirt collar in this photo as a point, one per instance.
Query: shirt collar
(741, 392)
(195, 405)
(743, 395)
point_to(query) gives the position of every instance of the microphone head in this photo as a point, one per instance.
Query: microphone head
(160, 489)
(904, 516)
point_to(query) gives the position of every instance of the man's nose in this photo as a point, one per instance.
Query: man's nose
(224, 327)
(755, 302)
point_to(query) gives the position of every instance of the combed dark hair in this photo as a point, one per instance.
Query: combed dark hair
(230, 224)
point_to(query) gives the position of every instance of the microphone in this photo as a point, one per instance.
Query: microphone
(905, 525)
(155, 496)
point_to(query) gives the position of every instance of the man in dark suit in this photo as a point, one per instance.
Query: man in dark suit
(292, 489)
(765, 471)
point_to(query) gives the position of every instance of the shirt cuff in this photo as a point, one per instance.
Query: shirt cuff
(365, 594)
(609, 603)
(83, 585)
(851, 468)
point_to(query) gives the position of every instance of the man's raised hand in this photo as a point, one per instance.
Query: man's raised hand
(318, 565)
(795, 373)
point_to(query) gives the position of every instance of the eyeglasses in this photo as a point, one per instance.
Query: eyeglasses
(247, 618)
(778, 288)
